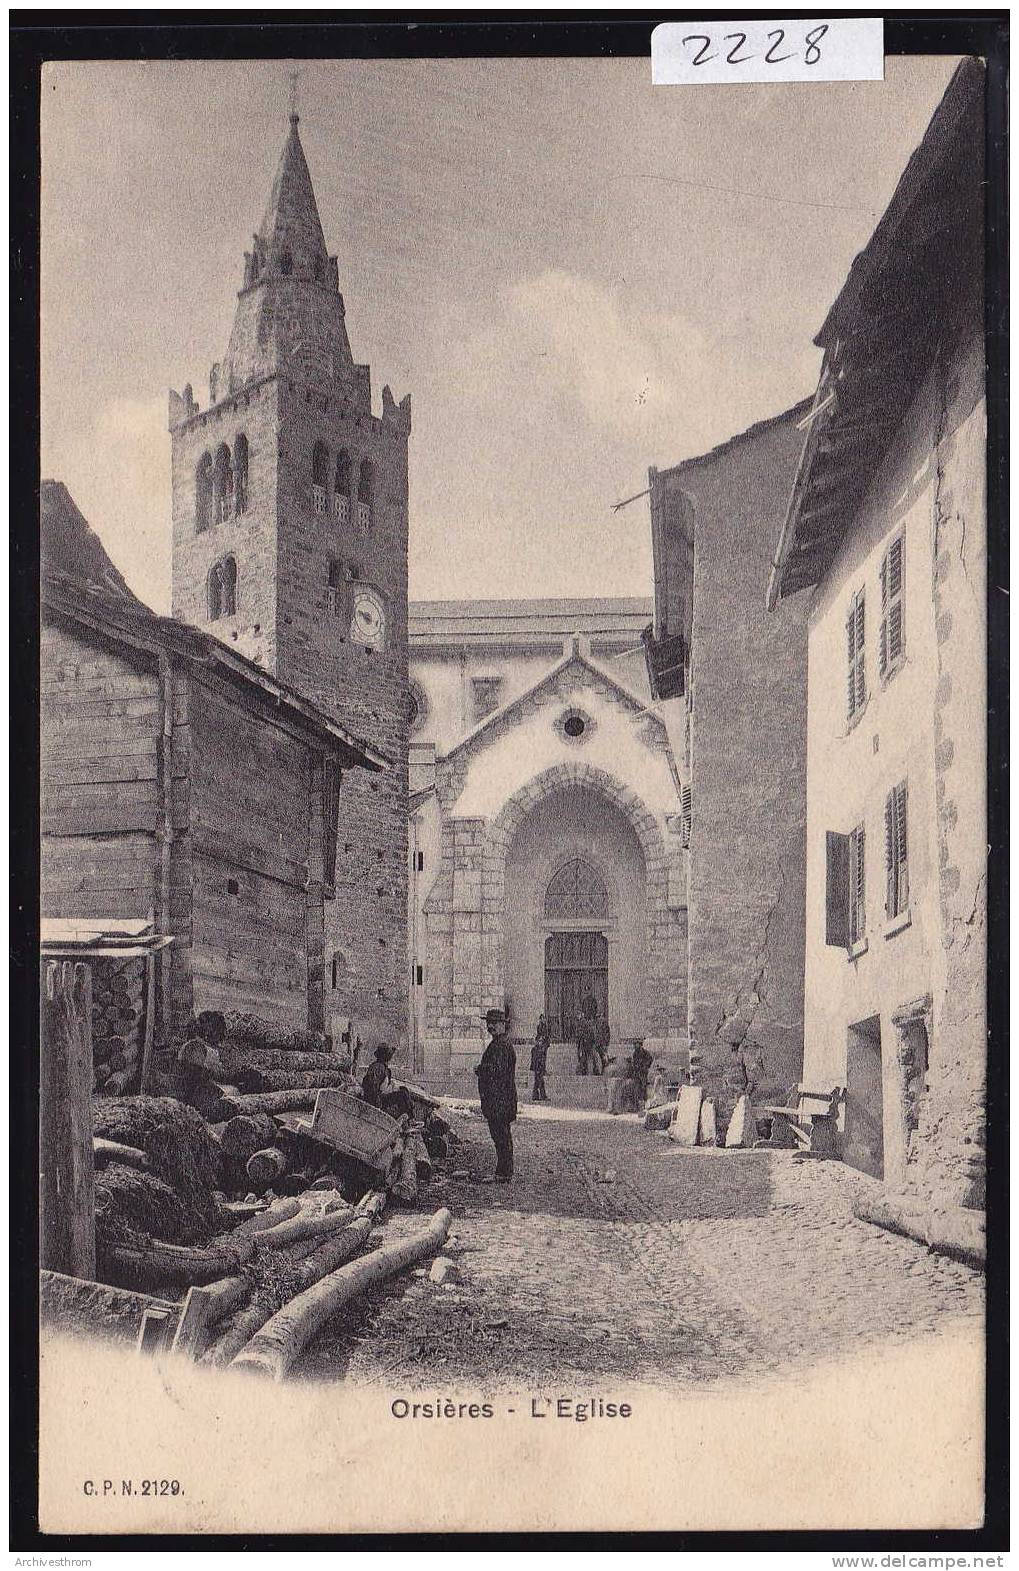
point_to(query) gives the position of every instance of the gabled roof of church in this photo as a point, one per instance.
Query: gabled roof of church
(574, 658)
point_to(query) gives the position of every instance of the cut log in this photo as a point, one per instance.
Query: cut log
(315, 1225)
(243, 1136)
(67, 1178)
(320, 1259)
(268, 1102)
(270, 1080)
(264, 1167)
(948, 1230)
(237, 1056)
(182, 1265)
(113, 1151)
(277, 1346)
(280, 1210)
(263, 1033)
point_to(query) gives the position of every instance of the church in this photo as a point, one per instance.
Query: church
(525, 846)
(547, 857)
(290, 546)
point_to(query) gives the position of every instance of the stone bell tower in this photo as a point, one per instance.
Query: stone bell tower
(290, 544)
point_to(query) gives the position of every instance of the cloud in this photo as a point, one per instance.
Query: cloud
(650, 377)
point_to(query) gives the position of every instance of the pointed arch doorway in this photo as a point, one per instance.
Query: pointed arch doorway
(576, 948)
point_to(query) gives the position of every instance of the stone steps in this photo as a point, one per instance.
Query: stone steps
(564, 1090)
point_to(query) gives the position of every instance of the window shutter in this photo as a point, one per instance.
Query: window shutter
(837, 891)
(851, 661)
(890, 854)
(859, 916)
(895, 568)
(895, 632)
(901, 850)
(687, 818)
(883, 638)
(861, 680)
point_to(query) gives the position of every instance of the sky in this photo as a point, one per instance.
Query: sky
(575, 275)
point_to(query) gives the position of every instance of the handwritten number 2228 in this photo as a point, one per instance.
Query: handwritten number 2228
(811, 56)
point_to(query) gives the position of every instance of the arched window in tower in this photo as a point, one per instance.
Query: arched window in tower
(223, 589)
(240, 473)
(366, 496)
(203, 494)
(576, 892)
(223, 484)
(341, 490)
(320, 478)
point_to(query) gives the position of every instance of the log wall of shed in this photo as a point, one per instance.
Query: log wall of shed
(99, 747)
(250, 834)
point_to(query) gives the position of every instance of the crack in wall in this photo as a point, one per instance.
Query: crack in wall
(754, 995)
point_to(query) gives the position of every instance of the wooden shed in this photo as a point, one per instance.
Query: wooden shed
(183, 786)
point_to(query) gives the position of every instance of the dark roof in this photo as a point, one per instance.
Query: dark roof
(76, 584)
(922, 265)
(69, 546)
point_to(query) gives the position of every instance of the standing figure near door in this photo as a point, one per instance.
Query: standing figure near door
(497, 1087)
(539, 1059)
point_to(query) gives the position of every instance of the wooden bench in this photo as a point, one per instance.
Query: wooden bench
(811, 1117)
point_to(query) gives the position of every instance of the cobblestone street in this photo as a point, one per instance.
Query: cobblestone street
(616, 1254)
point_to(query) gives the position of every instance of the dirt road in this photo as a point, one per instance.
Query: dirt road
(615, 1254)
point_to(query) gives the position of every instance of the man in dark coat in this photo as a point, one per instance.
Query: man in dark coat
(642, 1061)
(497, 1086)
(539, 1058)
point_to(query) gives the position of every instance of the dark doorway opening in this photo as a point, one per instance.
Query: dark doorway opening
(576, 969)
(864, 1145)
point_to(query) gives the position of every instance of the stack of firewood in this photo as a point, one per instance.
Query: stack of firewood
(117, 1011)
(258, 1056)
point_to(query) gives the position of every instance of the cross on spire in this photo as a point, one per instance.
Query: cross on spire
(294, 76)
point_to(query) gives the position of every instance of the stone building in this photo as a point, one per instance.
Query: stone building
(146, 814)
(547, 861)
(884, 547)
(732, 681)
(290, 546)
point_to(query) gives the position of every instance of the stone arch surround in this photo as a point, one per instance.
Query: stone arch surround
(465, 921)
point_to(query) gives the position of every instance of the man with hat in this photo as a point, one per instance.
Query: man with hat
(497, 1086)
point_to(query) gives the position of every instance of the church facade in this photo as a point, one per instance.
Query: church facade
(290, 545)
(546, 858)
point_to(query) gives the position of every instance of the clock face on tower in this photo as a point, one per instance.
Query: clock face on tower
(368, 623)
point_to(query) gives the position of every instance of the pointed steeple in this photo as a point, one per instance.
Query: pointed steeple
(291, 226)
(290, 312)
